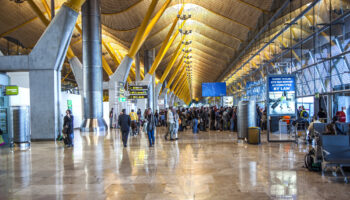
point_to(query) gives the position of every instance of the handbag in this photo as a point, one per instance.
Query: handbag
(64, 132)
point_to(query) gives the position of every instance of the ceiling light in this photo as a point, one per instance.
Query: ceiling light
(187, 42)
(184, 17)
(187, 50)
(185, 32)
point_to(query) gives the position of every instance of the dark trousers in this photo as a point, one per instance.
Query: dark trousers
(151, 137)
(212, 124)
(125, 135)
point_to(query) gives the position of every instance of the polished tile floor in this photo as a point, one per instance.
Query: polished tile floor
(210, 165)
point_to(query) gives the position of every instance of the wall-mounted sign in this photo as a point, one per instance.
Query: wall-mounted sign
(281, 95)
(11, 90)
(138, 92)
(138, 97)
(122, 99)
(69, 104)
(138, 87)
(228, 101)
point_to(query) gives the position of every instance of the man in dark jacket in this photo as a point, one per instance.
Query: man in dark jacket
(124, 122)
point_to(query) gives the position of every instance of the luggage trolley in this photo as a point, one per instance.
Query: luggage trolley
(286, 128)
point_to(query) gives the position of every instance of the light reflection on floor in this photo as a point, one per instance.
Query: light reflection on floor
(211, 165)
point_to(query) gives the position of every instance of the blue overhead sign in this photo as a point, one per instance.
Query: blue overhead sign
(253, 88)
(214, 89)
(281, 84)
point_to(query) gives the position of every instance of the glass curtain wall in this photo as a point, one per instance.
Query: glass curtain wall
(310, 39)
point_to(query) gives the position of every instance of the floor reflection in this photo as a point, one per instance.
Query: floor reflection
(211, 165)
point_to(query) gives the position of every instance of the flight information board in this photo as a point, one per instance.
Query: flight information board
(214, 89)
(138, 92)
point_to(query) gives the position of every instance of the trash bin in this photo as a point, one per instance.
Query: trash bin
(19, 126)
(254, 135)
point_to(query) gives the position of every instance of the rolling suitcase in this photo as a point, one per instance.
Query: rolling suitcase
(254, 135)
(274, 105)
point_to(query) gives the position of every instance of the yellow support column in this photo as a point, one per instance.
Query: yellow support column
(146, 27)
(179, 92)
(166, 44)
(175, 73)
(106, 67)
(111, 52)
(178, 87)
(153, 21)
(172, 62)
(115, 58)
(37, 10)
(47, 8)
(179, 80)
(181, 86)
(74, 4)
(182, 90)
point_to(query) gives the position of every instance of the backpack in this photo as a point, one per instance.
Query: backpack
(304, 114)
(310, 163)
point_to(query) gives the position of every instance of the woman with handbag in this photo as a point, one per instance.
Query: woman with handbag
(68, 128)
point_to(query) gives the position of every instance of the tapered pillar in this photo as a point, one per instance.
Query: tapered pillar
(150, 58)
(92, 68)
(137, 66)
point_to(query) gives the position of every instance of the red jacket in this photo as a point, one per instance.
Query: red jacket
(341, 115)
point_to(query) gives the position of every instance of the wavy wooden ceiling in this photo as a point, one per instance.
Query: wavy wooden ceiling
(219, 29)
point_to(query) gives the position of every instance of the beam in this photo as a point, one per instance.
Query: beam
(179, 79)
(172, 62)
(172, 77)
(145, 28)
(167, 43)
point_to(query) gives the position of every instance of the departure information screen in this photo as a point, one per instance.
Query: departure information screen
(214, 89)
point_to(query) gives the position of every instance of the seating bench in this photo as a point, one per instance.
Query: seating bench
(336, 152)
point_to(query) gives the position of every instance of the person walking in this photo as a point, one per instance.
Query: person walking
(170, 123)
(68, 128)
(124, 122)
(111, 118)
(156, 115)
(151, 125)
(176, 125)
(258, 116)
(195, 123)
(139, 119)
(134, 118)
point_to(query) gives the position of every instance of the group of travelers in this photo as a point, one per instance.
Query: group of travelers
(332, 128)
(133, 121)
(198, 119)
